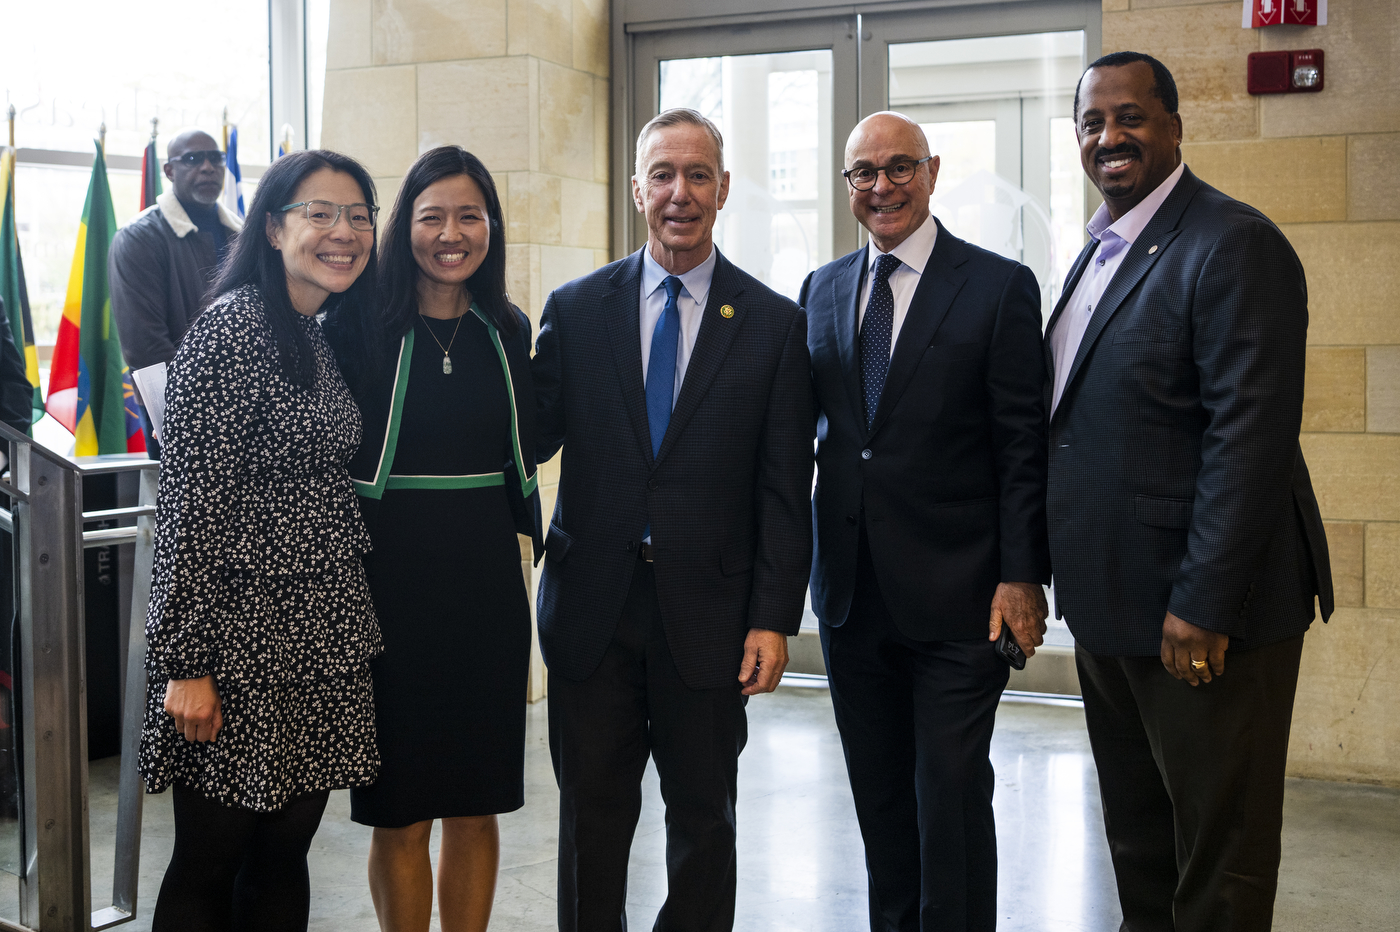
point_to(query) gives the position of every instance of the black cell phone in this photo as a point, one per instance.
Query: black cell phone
(1009, 650)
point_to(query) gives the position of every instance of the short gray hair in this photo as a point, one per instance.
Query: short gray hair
(679, 116)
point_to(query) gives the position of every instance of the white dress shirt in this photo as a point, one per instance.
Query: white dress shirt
(695, 290)
(913, 255)
(1115, 238)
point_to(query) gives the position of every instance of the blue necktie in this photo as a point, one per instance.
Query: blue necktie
(661, 369)
(875, 332)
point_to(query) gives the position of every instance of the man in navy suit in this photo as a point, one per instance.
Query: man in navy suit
(1186, 539)
(930, 525)
(679, 388)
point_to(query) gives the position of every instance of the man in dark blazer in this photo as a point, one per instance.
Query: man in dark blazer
(677, 557)
(930, 525)
(1182, 519)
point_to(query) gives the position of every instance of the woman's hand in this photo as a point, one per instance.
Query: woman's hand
(196, 707)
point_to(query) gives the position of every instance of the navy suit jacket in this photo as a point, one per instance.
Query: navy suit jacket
(951, 477)
(726, 496)
(1176, 478)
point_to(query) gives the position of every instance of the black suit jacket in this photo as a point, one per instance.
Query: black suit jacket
(952, 475)
(1176, 478)
(726, 496)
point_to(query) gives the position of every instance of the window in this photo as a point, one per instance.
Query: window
(185, 65)
(774, 113)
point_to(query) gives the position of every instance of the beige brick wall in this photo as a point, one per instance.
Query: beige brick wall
(1326, 168)
(523, 84)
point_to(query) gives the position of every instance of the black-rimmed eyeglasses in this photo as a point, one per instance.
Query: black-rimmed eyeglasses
(325, 214)
(901, 172)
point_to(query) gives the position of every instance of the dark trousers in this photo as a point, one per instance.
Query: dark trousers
(238, 870)
(1192, 785)
(916, 722)
(601, 731)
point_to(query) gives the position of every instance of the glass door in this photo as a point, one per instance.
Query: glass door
(998, 112)
(995, 97)
(784, 99)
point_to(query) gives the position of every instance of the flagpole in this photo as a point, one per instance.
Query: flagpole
(155, 124)
(11, 115)
(225, 129)
(102, 137)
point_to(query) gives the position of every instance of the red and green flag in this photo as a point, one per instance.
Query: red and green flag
(150, 175)
(90, 389)
(12, 287)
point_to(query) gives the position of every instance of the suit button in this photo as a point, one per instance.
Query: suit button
(631, 546)
(850, 519)
(866, 454)
(653, 484)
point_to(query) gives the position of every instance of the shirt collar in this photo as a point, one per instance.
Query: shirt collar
(695, 283)
(1130, 226)
(914, 251)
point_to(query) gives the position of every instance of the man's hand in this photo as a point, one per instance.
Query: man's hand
(1022, 607)
(765, 658)
(1183, 642)
(196, 707)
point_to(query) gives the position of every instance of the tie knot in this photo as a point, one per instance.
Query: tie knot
(672, 284)
(885, 265)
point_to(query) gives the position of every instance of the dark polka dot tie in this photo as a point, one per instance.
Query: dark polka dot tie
(875, 332)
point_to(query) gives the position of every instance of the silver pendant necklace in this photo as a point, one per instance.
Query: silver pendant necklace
(446, 359)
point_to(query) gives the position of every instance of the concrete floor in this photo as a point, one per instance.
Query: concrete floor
(800, 855)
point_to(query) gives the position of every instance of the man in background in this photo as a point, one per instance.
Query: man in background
(162, 264)
(1184, 534)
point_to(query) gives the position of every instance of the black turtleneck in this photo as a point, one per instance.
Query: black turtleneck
(207, 219)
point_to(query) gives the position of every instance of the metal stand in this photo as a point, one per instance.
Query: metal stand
(47, 521)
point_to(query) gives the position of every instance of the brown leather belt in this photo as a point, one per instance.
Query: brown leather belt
(645, 552)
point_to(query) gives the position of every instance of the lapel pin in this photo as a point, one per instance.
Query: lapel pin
(726, 311)
(1151, 250)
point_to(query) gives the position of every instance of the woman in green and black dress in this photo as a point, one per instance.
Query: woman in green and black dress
(446, 478)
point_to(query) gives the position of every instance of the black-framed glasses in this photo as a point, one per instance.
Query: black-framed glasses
(325, 215)
(901, 172)
(192, 159)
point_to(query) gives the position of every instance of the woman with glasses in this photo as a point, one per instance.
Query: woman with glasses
(260, 627)
(446, 477)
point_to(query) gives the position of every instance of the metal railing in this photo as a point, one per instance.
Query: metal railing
(47, 520)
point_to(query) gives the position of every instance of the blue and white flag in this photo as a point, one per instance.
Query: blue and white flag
(232, 196)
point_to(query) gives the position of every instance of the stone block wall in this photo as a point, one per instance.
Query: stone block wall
(1326, 168)
(523, 84)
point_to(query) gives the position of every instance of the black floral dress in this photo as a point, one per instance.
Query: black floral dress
(258, 578)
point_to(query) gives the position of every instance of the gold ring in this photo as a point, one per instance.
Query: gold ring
(1198, 664)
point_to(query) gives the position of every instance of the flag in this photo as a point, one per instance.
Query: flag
(232, 195)
(90, 390)
(12, 287)
(150, 175)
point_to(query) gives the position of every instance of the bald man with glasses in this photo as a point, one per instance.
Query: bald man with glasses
(162, 264)
(929, 514)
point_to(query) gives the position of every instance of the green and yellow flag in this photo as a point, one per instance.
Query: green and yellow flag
(90, 389)
(12, 287)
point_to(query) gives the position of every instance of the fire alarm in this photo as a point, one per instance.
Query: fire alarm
(1297, 72)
